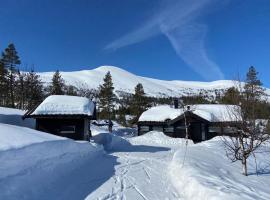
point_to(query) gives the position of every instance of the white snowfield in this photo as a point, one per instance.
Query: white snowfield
(209, 112)
(63, 104)
(36, 165)
(126, 82)
(14, 117)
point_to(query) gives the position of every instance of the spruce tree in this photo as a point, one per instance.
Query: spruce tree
(139, 103)
(106, 96)
(3, 84)
(58, 84)
(11, 60)
(33, 90)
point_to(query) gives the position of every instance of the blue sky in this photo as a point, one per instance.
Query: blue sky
(165, 39)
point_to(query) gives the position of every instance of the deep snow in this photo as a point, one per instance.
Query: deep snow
(65, 105)
(37, 165)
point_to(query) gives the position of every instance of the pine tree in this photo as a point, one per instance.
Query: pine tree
(139, 103)
(253, 92)
(58, 84)
(106, 96)
(33, 90)
(11, 60)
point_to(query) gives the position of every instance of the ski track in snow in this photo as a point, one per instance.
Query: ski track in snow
(140, 176)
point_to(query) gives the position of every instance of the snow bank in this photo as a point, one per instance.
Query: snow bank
(36, 159)
(13, 137)
(155, 138)
(160, 113)
(14, 117)
(208, 174)
(63, 104)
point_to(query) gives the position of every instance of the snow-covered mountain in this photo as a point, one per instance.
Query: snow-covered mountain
(125, 81)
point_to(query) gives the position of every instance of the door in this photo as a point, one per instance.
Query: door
(195, 132)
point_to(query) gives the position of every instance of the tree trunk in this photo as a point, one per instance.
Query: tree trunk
(244, 166)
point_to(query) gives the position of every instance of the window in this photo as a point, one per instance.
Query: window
(181, 127)
(214, 129)
(68, 129)
(144, 128)
(169, 129)
(158, 128)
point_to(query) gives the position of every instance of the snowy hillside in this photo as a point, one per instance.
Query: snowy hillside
(126, 81)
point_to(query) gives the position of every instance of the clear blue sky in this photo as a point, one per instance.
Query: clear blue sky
(165, 39)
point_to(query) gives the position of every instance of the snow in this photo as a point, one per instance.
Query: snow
(14, 117)
(63, 104)
(208, 174)
(160, 113)
(126, 82)
(217, 112)
(13, 137)
(210, 112)
(37, 165)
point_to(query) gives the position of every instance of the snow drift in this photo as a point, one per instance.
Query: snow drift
(208, 174)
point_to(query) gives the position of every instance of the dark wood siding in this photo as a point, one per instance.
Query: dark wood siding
(60, 127)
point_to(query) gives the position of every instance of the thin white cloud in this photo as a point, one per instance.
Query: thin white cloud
(178, 21)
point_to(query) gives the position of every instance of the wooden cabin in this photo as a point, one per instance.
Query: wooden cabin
(200, 122)
(67, 116)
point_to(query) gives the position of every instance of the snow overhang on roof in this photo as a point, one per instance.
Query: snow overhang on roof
(65, 105)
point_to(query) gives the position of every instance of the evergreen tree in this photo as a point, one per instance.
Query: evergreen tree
(20, 90)
(106, 96)
(139, 103)
(253, 92)
(33, 90)
(58, 84)
(71, 90)
(230, 96)
(3, 84)
(11, 60)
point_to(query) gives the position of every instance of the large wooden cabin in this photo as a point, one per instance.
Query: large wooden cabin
(67, 116)
(200, 122)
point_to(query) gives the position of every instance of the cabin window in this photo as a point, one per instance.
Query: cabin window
(144, 128)
(158, 128)
(229, 129)
(68, 129)
(214, 129)
(181, 127)
(169, 129)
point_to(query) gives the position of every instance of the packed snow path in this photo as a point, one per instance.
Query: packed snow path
(140, 176)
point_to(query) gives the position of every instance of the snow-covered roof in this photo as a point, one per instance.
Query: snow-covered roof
(160, 113)
(217, 112)
(209, 112)
(65, 105)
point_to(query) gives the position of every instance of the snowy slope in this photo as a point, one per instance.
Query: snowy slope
(36, 165)
(126, 81)
(207, 174)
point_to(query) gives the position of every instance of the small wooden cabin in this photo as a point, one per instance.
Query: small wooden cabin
(201, 122)
(67, 116)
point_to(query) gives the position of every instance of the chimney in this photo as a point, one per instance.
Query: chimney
(188, 107)
(176, 103)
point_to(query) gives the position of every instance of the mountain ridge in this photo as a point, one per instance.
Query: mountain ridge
(125, 81)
